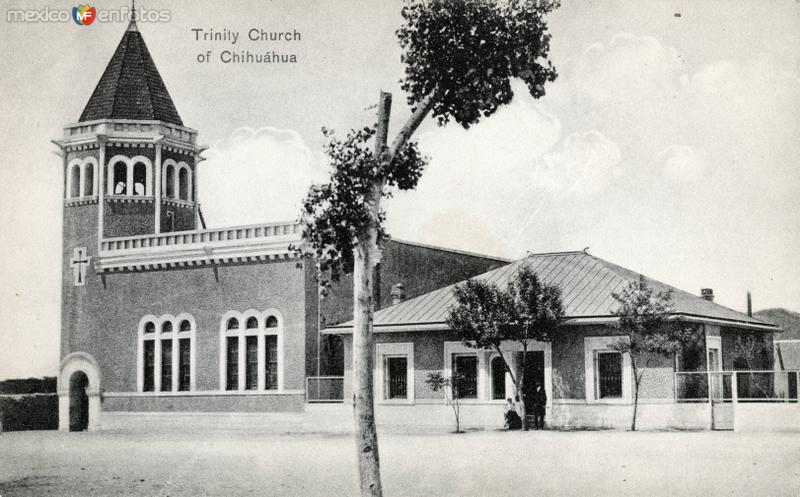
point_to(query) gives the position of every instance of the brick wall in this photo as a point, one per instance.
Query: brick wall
(102, 318)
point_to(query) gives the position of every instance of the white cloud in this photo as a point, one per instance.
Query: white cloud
(681, 163)
(582, 164)
(257, 175)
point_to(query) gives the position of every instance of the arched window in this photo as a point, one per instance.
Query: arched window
(120, 175)
(250, 356)
(140, 179)
(183, 183)
(169, 181)
(88, 180)
(498, 378)
(74, 181)
(166, 360)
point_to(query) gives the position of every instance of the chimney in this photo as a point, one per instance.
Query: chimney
(707, 293)
(398, 293)
(749, 304)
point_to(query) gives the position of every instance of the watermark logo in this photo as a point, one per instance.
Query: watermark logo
(83, 15)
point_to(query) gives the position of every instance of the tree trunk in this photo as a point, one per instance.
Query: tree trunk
(636, 379)
(365, 259)
(523, 411)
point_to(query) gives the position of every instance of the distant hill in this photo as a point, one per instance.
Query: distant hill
(786, 319)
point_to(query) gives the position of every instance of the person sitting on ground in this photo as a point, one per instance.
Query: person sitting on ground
(513, 421)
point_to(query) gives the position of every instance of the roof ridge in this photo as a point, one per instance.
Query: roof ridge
(143, 51)
(569, 252)
(673, 288)
(455, 251)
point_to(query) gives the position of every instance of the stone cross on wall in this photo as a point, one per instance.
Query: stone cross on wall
(79, 264)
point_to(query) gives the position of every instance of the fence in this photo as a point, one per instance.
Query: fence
(737, 386)
(325, 389)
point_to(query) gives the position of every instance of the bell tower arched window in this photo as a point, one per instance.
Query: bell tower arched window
(169, 183)
(183, 183)
(74, 181)
(88, 179)
(120, 178)
(139, 179)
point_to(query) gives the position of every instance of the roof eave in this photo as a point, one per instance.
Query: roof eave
(347, 328)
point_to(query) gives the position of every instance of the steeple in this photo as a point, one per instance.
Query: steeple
(131, 87)
(132, 25)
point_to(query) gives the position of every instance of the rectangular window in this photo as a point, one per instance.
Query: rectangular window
(184, 365)
(609, 375)
(166, 365)
(465, 367)
(251, 363)
(149, 365)
(396, 378)
(271, 362)
(232, 373)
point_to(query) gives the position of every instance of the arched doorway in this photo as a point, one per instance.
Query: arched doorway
(78, 393)
(78, 402)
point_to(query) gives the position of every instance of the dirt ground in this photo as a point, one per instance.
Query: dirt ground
(481, 463)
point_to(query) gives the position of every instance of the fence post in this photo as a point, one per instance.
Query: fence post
(734, 388)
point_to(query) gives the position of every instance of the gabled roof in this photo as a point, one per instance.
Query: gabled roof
(131, 87)
(586, 283)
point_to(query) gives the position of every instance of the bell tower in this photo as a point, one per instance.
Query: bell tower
(129, 162)
(129, 170)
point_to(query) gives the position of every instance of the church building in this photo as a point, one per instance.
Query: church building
(161, 314)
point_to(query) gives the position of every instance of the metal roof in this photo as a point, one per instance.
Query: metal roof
(587, 283)
(131, 87)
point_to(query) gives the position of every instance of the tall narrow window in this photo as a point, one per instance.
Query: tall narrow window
(184, 365)
(169, 179)
(183, 183)
(149, 365)
(139, 179)
(466, 368)
(271, 362)
(232, 361)
(120, 184)
(166, 365)
(397, 378)
(251, 366)
(88, 180)
(609, 375)
(75, 181)
(498, 378)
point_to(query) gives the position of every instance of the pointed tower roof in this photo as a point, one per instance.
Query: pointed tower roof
(131, 87)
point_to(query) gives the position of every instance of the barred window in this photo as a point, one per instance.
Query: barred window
(397, 377)
(465, 367)
(232, 361)
(609, 375)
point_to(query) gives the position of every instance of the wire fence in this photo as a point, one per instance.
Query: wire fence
(737, 386)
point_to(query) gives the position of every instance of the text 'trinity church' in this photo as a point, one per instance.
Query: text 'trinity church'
(161, 315)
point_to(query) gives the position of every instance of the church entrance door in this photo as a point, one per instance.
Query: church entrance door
(78, 402)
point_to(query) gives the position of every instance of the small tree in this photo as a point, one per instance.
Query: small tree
(485, 316)
(643, 314)
(450, 386)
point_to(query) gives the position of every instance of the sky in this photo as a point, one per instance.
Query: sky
(669, 143)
